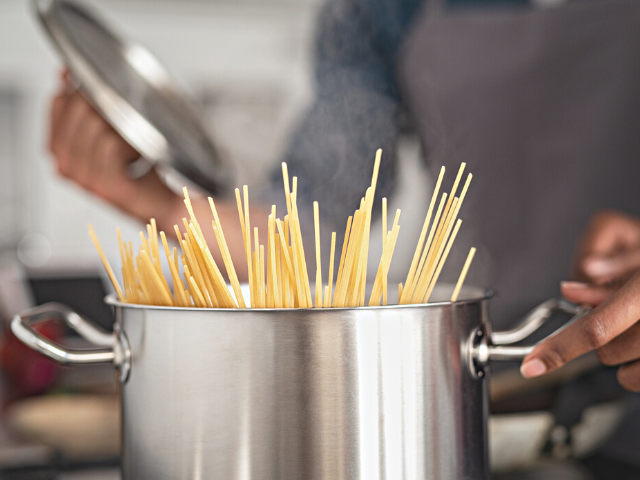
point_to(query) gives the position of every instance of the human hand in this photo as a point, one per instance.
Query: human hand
(612, 330)
(90, 153)
(609, 250)
(607, 257)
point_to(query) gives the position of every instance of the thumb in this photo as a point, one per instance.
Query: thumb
(615, 315)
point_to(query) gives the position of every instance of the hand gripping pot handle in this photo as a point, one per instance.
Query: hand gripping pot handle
(116, 349)
(499, 345)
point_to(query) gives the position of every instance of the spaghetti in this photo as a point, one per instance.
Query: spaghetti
(277, 272)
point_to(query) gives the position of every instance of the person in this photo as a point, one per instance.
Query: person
(540, 98)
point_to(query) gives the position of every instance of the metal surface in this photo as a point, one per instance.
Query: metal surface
(499, 347)
(133, 92)
(117, 353)
(366, 393)
(534, 320)
(355, 393)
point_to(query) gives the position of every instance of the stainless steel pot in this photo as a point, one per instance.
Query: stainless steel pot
(368, 393)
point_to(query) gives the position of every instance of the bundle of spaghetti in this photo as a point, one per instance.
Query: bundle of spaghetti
(430, 256)
(379, 284)
(352, 271)
(303, 296)
(197, 256)
(278, 276)
(204, 285)
(277, 272)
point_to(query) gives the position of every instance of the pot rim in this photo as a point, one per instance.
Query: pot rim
(486, 294)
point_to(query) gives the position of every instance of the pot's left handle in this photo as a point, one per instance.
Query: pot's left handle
(499, 345)
(117, 351)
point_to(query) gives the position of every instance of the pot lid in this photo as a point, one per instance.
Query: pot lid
(134, 93)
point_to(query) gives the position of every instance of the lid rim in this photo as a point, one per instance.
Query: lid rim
(133, 126)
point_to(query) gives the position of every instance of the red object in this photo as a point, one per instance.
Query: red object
(28, 372)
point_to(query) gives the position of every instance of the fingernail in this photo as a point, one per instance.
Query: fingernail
(568, 284)
(598, 267)
(533, 368)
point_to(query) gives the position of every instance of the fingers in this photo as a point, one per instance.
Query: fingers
(83, 165)
(602, 270)
(615, 315)
(610, 231)
(584, 294)
(66, 132)
(608, 234)
(75, 133)
(57, 106)
(629, 376)
(89, 152)
(624, 348)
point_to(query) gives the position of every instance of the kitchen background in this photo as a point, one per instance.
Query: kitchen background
(247, 66)
(245, 63)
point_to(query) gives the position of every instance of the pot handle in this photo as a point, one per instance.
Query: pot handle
(117, 350)
(499, 344)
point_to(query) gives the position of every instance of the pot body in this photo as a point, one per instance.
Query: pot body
(354, 394)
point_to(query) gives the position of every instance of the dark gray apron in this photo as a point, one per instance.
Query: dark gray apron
(544, 106)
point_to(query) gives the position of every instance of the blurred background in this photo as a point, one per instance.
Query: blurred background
(246, 65)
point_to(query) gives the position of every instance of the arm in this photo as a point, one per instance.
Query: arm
(90, 153)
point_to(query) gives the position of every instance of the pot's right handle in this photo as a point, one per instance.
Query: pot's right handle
(117, 350)
(500, 344)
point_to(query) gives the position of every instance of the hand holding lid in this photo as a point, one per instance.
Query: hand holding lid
(133, 92)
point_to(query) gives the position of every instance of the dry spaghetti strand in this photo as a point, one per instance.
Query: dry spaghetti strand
(107, 266)
(463, 274)
(329, 287)
(316, 224)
